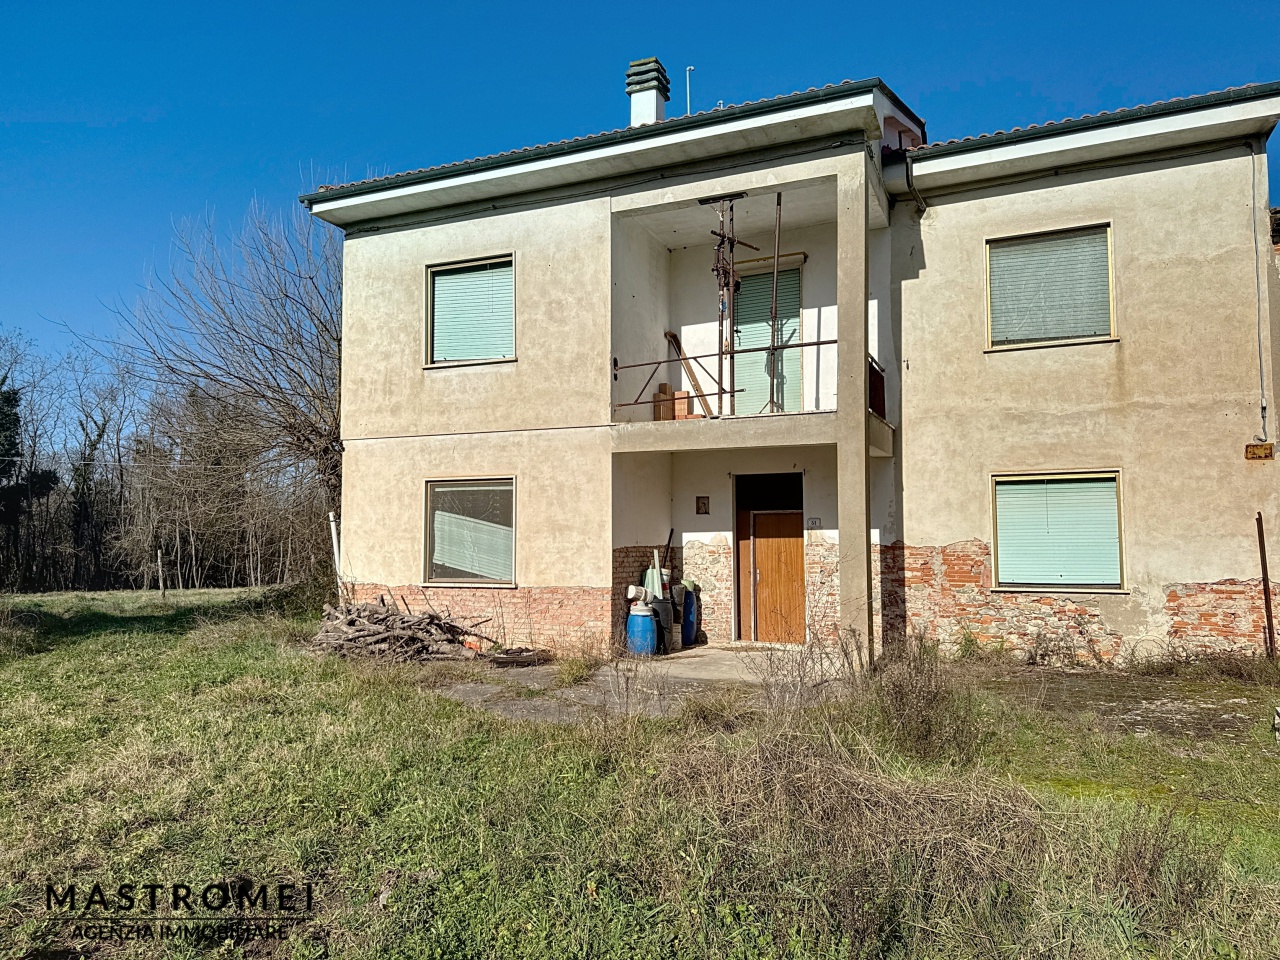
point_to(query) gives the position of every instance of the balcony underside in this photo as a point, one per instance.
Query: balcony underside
(771, 430)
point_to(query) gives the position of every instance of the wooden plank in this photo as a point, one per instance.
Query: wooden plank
(674, 340)
(777, 548)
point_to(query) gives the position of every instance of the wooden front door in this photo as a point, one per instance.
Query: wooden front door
(777, 569)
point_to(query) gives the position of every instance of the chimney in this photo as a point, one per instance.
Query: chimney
(649, 90)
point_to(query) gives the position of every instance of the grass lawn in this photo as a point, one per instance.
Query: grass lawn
(194, 740)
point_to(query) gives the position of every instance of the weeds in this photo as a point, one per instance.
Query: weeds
(1186, 663)
(923, 710)
(575, 670)
(1160, 861)
(843, 826)
(725, 710)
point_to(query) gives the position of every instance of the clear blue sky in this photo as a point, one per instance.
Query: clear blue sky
(119, 119)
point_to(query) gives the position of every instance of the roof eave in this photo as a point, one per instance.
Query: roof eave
(637, 137)
(1260, 91)
(1143, 131)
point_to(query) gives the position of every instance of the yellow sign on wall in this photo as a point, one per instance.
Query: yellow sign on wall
(1259, 451)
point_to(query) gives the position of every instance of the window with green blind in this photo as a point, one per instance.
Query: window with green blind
(471, 531)
(471, 312)
(1059, 532)
(1050, 287)
(752, 319)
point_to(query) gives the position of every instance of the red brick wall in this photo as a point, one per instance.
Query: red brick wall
(822, 588)
(1227, 615)
(629, 565)
(946, 591)
(570, 620)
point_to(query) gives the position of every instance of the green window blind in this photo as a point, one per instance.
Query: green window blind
(473, 312)
(1058, 532)
(751, 309)
(471, 530)
(1051, 287)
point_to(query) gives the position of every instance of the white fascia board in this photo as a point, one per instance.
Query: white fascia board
(886, 108)
(1098, 143)
(855, 113)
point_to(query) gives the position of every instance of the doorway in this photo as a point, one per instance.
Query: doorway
(769, 557)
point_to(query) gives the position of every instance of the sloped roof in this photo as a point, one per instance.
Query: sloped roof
(831, 91)
(1252, 91)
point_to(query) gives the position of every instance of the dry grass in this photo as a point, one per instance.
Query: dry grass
(572, 671)
(833, 824)
(1239, 667)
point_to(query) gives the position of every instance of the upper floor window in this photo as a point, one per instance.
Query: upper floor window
(471, 311)
(1050, 287)
(767, 384)
(1058, 531)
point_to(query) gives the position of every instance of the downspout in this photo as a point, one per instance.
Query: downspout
(921, 206)
(1257, 279)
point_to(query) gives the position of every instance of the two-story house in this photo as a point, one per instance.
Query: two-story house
(1002, 385)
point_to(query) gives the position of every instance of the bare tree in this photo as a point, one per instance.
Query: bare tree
(253, 325)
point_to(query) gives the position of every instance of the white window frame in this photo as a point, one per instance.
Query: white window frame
(428, 298)
(1111, 337)
(426, 533)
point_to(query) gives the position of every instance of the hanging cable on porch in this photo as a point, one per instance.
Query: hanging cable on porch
(771, 360)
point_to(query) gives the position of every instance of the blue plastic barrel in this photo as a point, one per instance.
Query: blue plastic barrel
(689, 620)
(642, 631)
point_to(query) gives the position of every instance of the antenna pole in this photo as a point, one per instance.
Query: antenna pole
(775, 403)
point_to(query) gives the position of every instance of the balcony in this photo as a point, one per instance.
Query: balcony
(750, 382)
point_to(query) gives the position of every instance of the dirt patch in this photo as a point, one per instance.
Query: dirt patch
(1140, 705)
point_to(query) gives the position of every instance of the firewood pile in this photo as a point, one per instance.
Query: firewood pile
(384, 633)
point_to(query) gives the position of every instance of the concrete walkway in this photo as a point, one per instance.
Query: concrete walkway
(650, 687)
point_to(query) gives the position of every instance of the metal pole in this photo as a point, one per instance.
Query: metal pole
(733, 329)
(721, 312)
(688, 109)
(337, 557)
(774, 405)
(1266, 591)
(160, 568)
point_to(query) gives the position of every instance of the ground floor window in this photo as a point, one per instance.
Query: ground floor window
(1060, 531)
(471, 531)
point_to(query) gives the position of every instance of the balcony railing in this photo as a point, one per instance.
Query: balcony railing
(711, 397)
(875, 388)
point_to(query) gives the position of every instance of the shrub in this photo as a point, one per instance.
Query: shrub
(922, 709)
(1160, 861)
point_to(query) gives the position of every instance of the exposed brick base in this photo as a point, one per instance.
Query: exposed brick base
(822, 588)
(570, 620)
(1227, 615)
(947, 591)
(710, 565)
(629, 565)
(943, 591)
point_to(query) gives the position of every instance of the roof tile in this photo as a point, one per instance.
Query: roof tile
(1084, 116)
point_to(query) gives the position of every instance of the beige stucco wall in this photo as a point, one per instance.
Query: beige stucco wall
(1171, 403)
(563, 502)
(560, 378)
(711, 474)
(640, 282)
